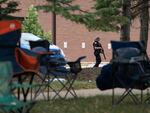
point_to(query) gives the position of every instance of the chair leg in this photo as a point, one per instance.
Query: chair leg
(113, 96)
(134, 97)
(26, 92)
(70, 89)
(141, 96)
(68, 86)
(125, 94)
(122, 97)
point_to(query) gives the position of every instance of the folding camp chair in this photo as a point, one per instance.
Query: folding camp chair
(56, 70)
(41, 47)
(8, 102)
(66, 78)
(25, 63)
(46, 63)
(128, 61)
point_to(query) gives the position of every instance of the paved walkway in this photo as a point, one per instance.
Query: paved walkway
(86, 93)
(91, 64)
(95, 92)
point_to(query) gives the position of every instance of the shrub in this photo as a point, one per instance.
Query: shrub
(31, 24)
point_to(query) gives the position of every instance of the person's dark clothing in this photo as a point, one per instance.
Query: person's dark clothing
(98, 60)
(97, 53)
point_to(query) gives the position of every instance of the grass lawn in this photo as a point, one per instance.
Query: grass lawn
(84, 85)
(97, 104)
(89, 74)
(77, 85)
(86, 78)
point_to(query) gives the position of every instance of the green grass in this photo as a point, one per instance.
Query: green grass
(84, 85)
(77, 85)
(97, 104)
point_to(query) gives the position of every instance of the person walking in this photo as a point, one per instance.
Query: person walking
(97, 50)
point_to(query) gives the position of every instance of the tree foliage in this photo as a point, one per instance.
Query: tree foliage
(8, 7)
(137, 7)
(109, 14)
(105, 15)
(31, 24)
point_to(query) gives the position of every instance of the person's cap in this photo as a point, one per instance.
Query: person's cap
(97, 38)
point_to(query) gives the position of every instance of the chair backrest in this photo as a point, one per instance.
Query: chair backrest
(127, 50)
(40, 43)
(120, 44)
(10, 33)
(75, 67)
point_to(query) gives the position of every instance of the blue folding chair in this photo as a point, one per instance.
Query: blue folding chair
(130, 69)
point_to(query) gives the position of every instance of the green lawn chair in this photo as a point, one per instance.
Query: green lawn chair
(8, 102)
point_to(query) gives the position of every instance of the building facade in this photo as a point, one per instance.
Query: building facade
(75, 39)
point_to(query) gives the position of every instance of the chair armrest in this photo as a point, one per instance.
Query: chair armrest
(78, 60)
(45, 53)
(75, 66)
(147, 75)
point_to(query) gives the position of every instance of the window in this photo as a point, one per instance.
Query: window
(83, 45)
(65, 45)
(109, 46)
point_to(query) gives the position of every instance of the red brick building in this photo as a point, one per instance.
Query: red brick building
(75, 39)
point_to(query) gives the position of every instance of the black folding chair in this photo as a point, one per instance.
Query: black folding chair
(130, 66)
(69, 76)
(41, 47)
(75, 68)
(57, 76)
